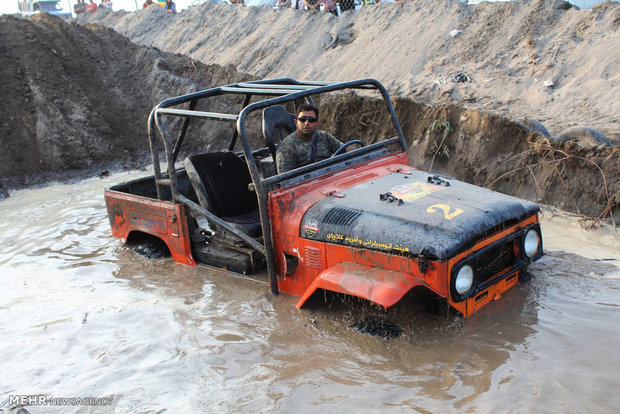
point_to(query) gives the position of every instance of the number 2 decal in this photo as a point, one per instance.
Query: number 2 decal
(446, 210)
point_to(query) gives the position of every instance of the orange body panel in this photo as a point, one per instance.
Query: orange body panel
(493, 292)
(385, 287)
(162, 219)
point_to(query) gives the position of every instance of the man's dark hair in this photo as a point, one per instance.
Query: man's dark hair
(308, 107)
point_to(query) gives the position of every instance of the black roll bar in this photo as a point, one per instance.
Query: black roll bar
(281, 90)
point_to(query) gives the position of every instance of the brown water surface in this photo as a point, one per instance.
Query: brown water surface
(82, 315)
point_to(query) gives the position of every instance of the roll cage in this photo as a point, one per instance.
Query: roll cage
(274, 92)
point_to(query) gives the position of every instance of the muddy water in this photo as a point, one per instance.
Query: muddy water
(81, 315)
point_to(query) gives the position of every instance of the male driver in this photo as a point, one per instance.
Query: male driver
(307, 144)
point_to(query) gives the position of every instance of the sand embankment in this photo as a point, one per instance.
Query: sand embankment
(509, 50)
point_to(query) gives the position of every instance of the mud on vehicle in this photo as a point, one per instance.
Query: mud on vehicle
(361, 223)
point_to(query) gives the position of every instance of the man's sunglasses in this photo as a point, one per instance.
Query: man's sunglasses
(310, 119)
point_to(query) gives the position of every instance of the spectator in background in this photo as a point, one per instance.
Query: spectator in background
(330, 6)
(312, 5)
(105, 4)
(79, 7)
(347, 5)
(170, 7)
(92, 7)
(147, 3)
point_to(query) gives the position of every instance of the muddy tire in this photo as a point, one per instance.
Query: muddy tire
(583, 136)
(152, 250)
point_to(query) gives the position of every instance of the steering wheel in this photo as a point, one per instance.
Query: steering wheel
(347, 145)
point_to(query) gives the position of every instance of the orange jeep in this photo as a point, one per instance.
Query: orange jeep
(361, 223)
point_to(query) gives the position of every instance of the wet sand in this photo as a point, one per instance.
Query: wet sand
(81, 315)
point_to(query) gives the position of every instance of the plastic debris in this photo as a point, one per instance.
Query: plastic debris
(549, 83)
(455, 32)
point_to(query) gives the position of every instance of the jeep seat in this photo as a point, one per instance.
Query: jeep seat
(220, 180)
(277, 122)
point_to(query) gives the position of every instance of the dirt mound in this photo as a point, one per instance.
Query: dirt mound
(417, 48)
(77, 97)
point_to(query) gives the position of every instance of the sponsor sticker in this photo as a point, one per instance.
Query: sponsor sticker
(413, 191)
(311, 227)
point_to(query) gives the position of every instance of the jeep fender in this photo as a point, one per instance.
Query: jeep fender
(381, 286)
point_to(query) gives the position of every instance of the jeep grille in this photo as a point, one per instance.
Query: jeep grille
(494, 260)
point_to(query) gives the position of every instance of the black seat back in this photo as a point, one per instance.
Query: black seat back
(221, 180)
(277, 124)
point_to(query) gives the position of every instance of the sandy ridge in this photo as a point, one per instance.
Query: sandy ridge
(508, 49)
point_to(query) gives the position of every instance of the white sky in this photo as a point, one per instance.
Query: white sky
(10, 6)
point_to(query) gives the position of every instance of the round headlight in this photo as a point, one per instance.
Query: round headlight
(464, 279)
(531, 243)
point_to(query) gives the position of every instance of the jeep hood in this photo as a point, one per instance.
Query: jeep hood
(411, 212)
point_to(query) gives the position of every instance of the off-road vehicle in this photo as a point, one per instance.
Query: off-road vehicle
(362, 223)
